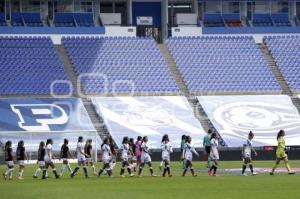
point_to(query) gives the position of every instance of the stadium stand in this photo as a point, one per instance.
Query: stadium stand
(281, 19)
(2, 19)
(232, 20)
(262, 20)
(17, 19)
(286, 52)
(213, 20)
(64, 20)
(222, 64)
(84, 19)
(32, 19)
(132, 63)
(29, 65)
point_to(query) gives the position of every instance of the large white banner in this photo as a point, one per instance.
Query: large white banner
(235, 116)
(149, 116)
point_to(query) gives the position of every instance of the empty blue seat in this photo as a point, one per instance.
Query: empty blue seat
(84, 19)
(64, 19)
(32, 19)
(17, 19)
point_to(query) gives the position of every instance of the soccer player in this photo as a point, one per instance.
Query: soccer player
(132, 157)
(246, 153)
(106, 158)
(145, 157)
(281, 153)
(64, 155)
(48, 159)
(187, 155)
(81, 160)
(183, 138)
(88, 149)
(214, 155)
(21, 156)
(9, 160)
(41, 160)
(166, 148)
(113, 159)
(138, 151)
(125, 151)
(206, 145)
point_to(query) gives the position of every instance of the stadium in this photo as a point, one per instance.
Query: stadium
(209, 86)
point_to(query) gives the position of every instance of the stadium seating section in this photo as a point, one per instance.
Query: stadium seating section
(17, 19)
(222, 64)
(281, 19)
(286, 52)
(127, 63)
(232, 20)
(213, 20)
(2, 19)
(262, 20)
(73, 19)
(28, 65)
(32, 19)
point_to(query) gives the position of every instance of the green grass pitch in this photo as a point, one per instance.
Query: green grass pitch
(225, 186)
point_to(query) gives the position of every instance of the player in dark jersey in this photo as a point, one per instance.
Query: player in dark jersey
(88, 149)
(40, 160)
(21, 156)
(113, 153)
(132, 157)
(9, 160)
(64, 155)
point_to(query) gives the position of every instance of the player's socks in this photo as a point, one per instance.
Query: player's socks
(44, 174)
(37, 172)
(129, 170)
(184, 172)
(215, 169)
(165, 171)
(85, 172)
(244, 168)
(122, 171)
(94, 169)
(63, 167)
(100, 172)
(74, 172)
(140, 171)
(151, 170)
(193, 172)
(251, 168)
(287, 166)
(69, 168)
(21, 173)
(55, 173)
(168, 170)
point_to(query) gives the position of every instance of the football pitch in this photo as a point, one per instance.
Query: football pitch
(225, 186)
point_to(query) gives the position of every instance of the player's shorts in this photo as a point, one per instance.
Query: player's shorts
(207, 149)
(188, 157)
(214, 155)
(145, 158)
(10, 163)
(138, 157)
(281, 154)
(106, 159)
(125, 158)
(21, 162)
(166, 158)
(81, 159)
(41, 163)
(247, 160)
(89, 160)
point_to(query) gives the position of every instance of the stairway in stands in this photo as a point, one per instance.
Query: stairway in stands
(278, 75)
(97, 121)
(196, 106)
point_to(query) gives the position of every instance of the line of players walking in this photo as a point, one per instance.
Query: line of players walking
(134, 155)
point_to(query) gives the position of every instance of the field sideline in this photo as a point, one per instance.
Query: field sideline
(225, 186)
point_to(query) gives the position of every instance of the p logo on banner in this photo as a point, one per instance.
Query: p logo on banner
(39, 117)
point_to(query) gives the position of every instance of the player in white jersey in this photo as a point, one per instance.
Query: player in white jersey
(246, 154)
(214, 154)
(106, 158)
(81, 158)
(187, 154)
(125, 154)
(145, 157)
(166, 149)
(48, 159)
